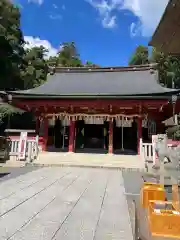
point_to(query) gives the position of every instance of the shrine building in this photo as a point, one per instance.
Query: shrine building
(167, 34)
(106, 110)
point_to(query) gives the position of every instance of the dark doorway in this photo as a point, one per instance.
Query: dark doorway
(125, 139)
(117, 137)
(130, 137)
(61, 135)
(65, 137)
(91, 137)
(57, 134)
(79, 140)
(145, 134)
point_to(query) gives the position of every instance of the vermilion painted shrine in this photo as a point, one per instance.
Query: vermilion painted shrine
(107, 109)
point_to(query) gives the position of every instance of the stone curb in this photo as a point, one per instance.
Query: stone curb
(84, 166)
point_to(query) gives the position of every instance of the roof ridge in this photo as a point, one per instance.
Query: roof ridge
(103, 69)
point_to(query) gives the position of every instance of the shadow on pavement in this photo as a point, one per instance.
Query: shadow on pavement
(4, 174)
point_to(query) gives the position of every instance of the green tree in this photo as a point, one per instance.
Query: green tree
(90, 64)
(168, 67)
(11, 53)
(140, 56)
(160, 59)
(11, 46)
(53, 61)
(68, 55)
(34, 69)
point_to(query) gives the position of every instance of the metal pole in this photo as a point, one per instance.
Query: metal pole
(122, 134)
(173, 82)
(63, 136)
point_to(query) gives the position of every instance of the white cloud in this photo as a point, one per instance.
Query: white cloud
(135, 29)
(40, 2)
(109, 21)
(148, 12)
(55, 6)
(37, 42)
(105, 11)
(55, 16)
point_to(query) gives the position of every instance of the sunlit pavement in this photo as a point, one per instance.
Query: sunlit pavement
(65, 203)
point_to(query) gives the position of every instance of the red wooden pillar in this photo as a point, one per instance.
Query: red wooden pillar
(71, 136)
(45, 121)
(139, 134)
(110, 148)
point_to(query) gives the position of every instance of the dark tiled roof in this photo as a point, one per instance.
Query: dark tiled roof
(99, 82)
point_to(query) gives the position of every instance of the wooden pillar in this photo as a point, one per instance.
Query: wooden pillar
(71, 135)
(110, 148)
(139, 134)
(45, 123)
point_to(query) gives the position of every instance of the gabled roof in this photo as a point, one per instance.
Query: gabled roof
(126, 82)
(167, 34)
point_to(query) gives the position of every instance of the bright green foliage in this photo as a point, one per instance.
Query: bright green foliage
(168, 66)
(140, 56)
(6, 110)
(34, 69)
(68, 55)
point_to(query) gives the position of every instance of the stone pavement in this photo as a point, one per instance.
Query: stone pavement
(65, 203)
(13, 172)
(89, 160)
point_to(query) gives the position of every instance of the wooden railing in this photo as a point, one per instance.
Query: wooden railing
(31, 149)
(147, 151)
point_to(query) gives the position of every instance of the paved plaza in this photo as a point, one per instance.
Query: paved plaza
(65, 203)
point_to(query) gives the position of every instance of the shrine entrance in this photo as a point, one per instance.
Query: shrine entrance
(125, 136)
(91, 135)
(58, 135)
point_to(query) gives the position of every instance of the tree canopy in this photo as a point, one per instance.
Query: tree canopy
(167, 65)
(67, 56)
(34, 68)
(11, 46)
(140, 56)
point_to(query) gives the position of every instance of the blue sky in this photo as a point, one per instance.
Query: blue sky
(106, 32)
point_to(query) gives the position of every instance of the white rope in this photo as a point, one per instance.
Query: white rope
(82, 116)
